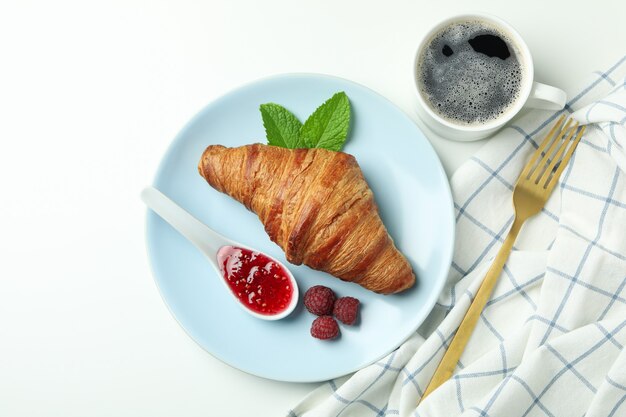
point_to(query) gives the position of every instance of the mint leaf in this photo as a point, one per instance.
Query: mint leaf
(282, 128)
(328, 126)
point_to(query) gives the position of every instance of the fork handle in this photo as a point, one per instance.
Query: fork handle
(450, 359)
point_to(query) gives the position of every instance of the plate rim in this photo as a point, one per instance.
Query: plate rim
(447, 255)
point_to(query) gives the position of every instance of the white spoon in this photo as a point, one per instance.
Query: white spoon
(211, 243)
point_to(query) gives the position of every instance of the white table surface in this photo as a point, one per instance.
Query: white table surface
(90, 97)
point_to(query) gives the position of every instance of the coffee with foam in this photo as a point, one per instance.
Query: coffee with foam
(470, 73)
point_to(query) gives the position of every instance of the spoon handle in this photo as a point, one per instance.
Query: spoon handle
(204, 238)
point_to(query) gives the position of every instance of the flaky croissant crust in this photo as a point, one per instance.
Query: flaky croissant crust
(316, 205)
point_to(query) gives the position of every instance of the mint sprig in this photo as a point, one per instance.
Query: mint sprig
(281, 126)
(326, 128)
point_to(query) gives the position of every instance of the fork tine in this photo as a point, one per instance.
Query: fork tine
(557, 156)
(555, 178)
(547, 156)
(526, 172)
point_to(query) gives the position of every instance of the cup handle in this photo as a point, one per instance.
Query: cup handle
(546, 97)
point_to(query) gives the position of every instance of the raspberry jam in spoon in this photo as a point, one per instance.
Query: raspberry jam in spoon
(261, 285)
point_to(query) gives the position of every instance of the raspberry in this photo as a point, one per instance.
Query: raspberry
(325, 328)
(346, 310)
(319, 300)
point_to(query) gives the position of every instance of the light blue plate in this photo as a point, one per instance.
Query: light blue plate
(410, 188)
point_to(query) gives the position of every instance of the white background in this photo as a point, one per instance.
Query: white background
(90, 97)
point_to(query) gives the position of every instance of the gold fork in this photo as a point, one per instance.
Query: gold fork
(533, 187)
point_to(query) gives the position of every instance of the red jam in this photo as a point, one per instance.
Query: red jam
(261, 284)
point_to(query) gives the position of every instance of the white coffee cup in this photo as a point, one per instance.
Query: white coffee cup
(532, 94)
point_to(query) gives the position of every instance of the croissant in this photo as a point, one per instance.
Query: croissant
(316, 205)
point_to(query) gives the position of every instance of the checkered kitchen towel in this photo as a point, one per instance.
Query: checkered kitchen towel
(551, 340)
